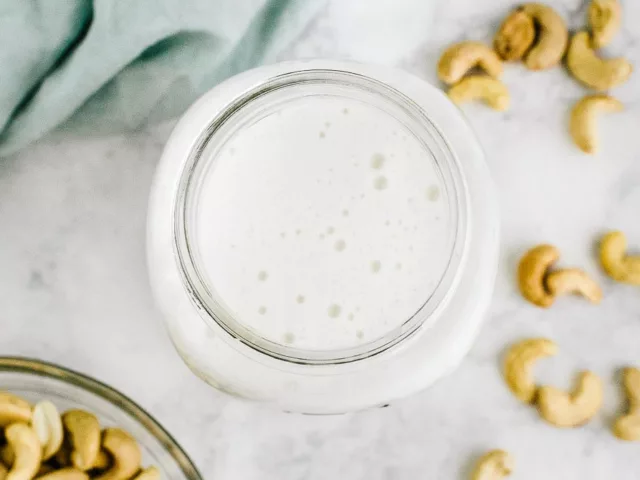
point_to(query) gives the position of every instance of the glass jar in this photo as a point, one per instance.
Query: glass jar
(323, 236)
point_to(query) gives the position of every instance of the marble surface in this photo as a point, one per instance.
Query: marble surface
(74, 288)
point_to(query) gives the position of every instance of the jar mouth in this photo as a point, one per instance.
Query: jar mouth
(267, 98)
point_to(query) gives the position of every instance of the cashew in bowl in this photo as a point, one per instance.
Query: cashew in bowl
(13, 409)
(45, 469)
(47, 424)
(593, 71)
(515, 36)
(73, 444)
(582, 124)
(102, 462)
(627, 427)
(531, 273)
(519, 363)
(125, 453)
(26, 449)
(564, 409)
(573, 280)
(492, 91)
(68, 473)
(615, 261)
(605, 18)
(6, 455)
(84, 432)
(151, 473)
(493, 465)
(460, 58)
(553, 36)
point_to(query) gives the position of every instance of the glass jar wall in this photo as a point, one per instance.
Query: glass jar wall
(323, 236)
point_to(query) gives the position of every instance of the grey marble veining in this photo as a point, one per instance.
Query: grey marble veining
(74, 288)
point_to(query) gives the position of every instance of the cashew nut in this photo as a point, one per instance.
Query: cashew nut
(460, 58)
(573, 280)
(552, 40)
(13, 409)
(63, 455)
(492, 91)
(26, 449)
(564, 409)
(605, 18)
(63, 458)
(627, 427)
(65, 474)
(531, 272)
(151, 473)
(519, 363)
(582, 124)
(47, 424)
(493, 465)
(45, 469)
(515, 36)
(618, 265)
(102, 461)
(3, 471)
(84, 432)
(6, 455)
(593, 71)
(125, 453)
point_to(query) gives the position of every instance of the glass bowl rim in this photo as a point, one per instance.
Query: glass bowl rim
(32, 366)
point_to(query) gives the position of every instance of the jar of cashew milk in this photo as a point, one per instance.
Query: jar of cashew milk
(322, 236)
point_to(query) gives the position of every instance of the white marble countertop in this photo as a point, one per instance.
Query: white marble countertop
(74, 288)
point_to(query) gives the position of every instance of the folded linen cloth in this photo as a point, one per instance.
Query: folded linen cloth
(113, 65)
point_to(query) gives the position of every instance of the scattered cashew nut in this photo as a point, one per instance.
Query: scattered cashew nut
(531, 273)
(605, 18)
(582, 124)
(492, 91)
(26, 449)
(13, 409)
(125, 453)
(493, 465)
(47, 424)
(627, 427)
(553, 36)
(573, 280)
(519, 363)
(515, 36)
(541, 287)
(460, 58)
(615, 261)
(68, 473)
(564, 409)
(84, 432)
(151, 473)
(593, 71)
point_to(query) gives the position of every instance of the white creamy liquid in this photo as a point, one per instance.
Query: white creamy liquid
(324, 225)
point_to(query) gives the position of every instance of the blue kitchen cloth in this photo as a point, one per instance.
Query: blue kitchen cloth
(113, 65)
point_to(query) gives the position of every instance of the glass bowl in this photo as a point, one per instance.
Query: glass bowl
(36, 380)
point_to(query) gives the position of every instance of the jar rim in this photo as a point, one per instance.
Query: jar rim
(448, 166)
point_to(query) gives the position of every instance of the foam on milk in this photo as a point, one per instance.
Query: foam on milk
(324, 225)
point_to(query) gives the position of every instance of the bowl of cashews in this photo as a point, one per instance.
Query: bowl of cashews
(57, 424)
